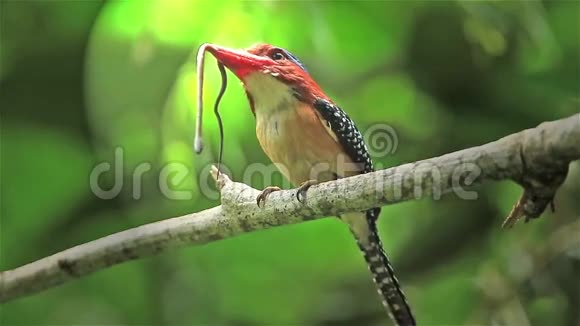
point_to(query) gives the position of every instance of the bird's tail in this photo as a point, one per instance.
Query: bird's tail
(388, 286)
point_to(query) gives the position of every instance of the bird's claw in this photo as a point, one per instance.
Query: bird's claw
(301, 192)
(261, 199)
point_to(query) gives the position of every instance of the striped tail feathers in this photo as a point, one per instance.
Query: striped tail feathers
(388, 286)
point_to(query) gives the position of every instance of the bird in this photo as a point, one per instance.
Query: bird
(311, 140)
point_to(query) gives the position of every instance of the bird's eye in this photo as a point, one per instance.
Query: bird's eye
(277, 56)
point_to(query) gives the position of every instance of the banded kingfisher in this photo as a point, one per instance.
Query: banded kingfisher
(299, 127)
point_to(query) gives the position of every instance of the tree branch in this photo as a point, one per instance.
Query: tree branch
(536, 158)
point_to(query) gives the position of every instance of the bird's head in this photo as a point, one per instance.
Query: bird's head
(272, 76)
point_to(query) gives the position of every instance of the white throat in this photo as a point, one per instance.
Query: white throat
(269, 94)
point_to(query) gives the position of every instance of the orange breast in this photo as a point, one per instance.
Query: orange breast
(298, 143)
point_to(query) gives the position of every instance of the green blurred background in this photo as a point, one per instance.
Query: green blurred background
(81, 78)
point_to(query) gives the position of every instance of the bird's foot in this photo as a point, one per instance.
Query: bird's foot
(301, 193)
(261, 199)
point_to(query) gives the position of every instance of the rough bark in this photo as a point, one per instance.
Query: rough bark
(536, 158)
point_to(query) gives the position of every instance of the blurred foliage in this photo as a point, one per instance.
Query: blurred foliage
(81, 78)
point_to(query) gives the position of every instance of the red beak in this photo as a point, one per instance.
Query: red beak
(240, 62)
